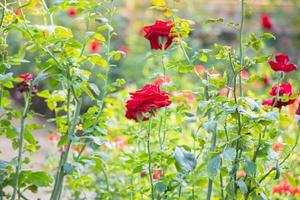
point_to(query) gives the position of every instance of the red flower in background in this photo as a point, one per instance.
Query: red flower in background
(241, 174)
(124, 49)
(25, 84)
(18, 12)
(94, 46)
(266, 22)
(199, 69)
(286, 188)
(268, 102)
(277, 147)
(285, 89)
(266, 80)
(147, 99)
(156, 175)
(72, 12)
(297, 115)
(282, 63)
(245, 74)
(53, 137)
(159, 34)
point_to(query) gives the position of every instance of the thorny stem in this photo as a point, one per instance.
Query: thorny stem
(212, 144)
(64, 157)
(281, 163)
(236, 160)
(149, 158)
(16, 190)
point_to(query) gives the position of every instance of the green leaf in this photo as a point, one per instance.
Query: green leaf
(40, 179)
(185, 160)
(203, 58)
(229, 154)
(44, 94)
(161, 187)
(250, 168)
(219, 20)
(95, 89)
(267, 36)
(213, 166)
(242, 185)
(277, 176)
(98, 60)
(29, 137)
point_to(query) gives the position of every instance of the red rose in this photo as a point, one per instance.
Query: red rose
(298, 110)
(72, 12)
(159, 34)
(297, 115)
(265, 22)
(285, 89)
(240, 174)
(156, 175)
(282, 63)
(94, 46)
(145, 100)
(277, 147)
(268, 102)
(245, 74)
(25, 84)
(18, 12)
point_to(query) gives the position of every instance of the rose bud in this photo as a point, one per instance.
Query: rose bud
(24, 86)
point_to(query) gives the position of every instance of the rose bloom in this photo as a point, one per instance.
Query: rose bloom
(282, 63)
(297, 115)
(156, 175)
(72, 12)
(94, 46)
(162, 80)
(240, 174)
(199, 69)
(285, 89)
(245, 74)
(159, 34)
(146, 100)
(53, 137)
(225, 90)
(282, 188)
(277, 147)
(25, 84)
(265, 22)
(18, 12)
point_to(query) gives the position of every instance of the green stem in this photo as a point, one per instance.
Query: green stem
(105, 86)
(281, 163)
(241, 45)
(279, 80)
(16, 189)
(149, 158)
(64, 156)
(212, 149)
(221, 182)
